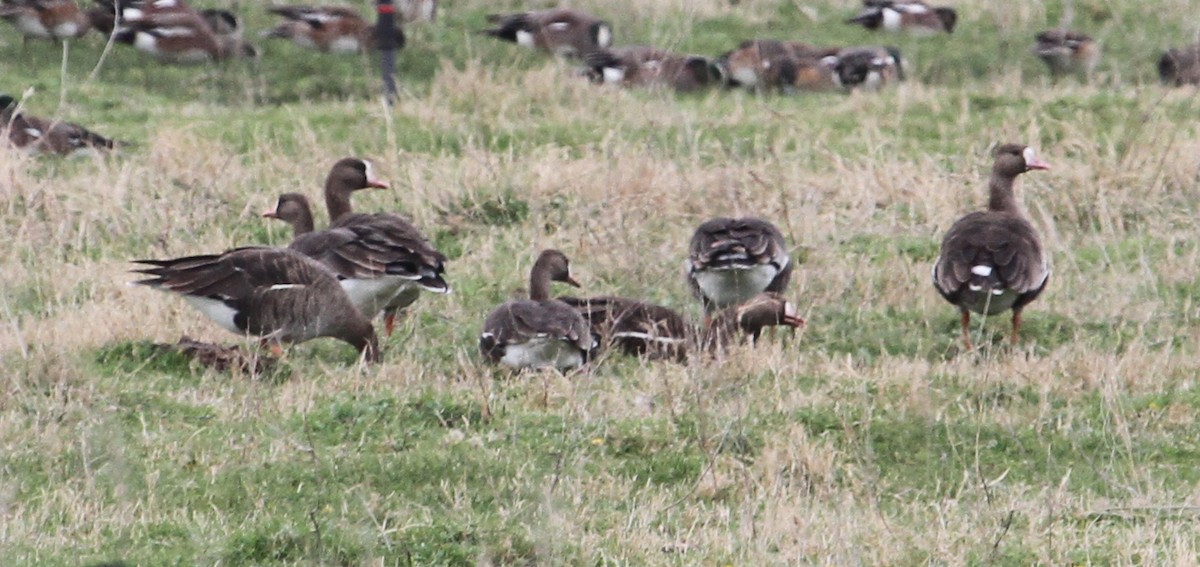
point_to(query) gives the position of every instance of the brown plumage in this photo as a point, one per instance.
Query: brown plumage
(1180, 66)
(41, 135)
(560, 31)
(913, 16)
(277, 294)
(173, 32)
(772, 64)
(992, 260)
(731, 260)
(539, 332)
(327, 28)
(46, 19)
(643, 66)
(748, 319)
(1066, 52)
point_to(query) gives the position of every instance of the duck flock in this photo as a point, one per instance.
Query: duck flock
(334, 282)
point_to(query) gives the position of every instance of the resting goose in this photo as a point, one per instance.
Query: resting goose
(174, 33)
(645, 66)
(913, 16)
(1180, 66)
(539, 332)
(40, 135)
(1066, 52)
(336, 29)
(560, 31)
(769, 63)
(992, 261)
(55, 20)
(732, 260)
(378, 272)
(277, 294)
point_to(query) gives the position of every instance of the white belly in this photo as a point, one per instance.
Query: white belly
(372, 295)
(216, 310)
(987, 303)
(732, 286)
(543, 352)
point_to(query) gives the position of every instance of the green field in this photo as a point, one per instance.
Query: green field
(867, 438)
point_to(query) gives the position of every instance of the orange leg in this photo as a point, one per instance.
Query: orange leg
(1016, 326)
(389, 322)
(273, 346)
(966, 330)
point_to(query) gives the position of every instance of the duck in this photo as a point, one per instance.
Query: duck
(1180, 66)
(869, 68)
(913, 16)
(776, 64)
(539, 332)
(329, 29)
(561, 31)
(276, 294)
(40, 135)
(1066, 52)
(173, 32)
(56, 20)
(991, 261)
(378, 272)
(733, 259)
(645, 66)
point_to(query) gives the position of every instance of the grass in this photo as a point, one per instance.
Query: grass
(866, 438)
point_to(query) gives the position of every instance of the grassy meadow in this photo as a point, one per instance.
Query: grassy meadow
(868, 438)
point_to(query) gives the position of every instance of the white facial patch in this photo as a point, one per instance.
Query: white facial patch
(1029, 155)
(982, 270)
(369, 169)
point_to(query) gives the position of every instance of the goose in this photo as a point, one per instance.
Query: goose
(1067, 52)
(913, 16)
(992, 260)
(645, 66)
(734, 259)
(40, 135)
(56, 20)
(539, 332)
(277, 294)
(330, 29)
(560, 31)
(748, 320)
(1180, 66)
(378, 272)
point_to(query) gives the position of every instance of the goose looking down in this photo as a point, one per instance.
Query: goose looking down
(913, 16)
(1067, 52)
(561, 31)
(539, 332)
(40, 135)
(992, 260)
(748, 320)
(732, 260)
(273, 293)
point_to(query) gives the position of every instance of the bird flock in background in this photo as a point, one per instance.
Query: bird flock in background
(334, 282)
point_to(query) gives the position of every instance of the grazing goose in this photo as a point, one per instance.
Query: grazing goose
(652, 67)
(992, 261)
(635, 327)
(378, 272)
(539, 332)
(560, 31)
(1180, 66)
(46, 19)
(913, 16)
(748, 319)
(39, 135)
(732, 260)
(277, 294)
(770, 64)
(1066, 52)
(335, 29)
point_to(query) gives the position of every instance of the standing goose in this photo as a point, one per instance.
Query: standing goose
(913, 16)
(539, 332)
(992, 261)
(748, 320)
(56, 20)
(1180, 66)
(732, 260)
(1066, 52)
(645, 66)
(378, 273)
(336, 29)
(40, 135)
(273, 293)
(560, 31)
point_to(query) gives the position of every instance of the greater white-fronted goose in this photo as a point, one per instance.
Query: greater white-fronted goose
(635, 327)
(560, 31)
(731, 260)
(46, 19)
(774, 64)
(336, 29)
(992, 261)
(40, 135)
(748, 319)
(378, 272)
(644, 66)
(912, 16)
(1180, 66)
(539, 332)
(1066, 52)
(277, 294)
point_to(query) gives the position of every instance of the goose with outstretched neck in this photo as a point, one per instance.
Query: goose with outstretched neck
(992, 261)
(539, 332)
